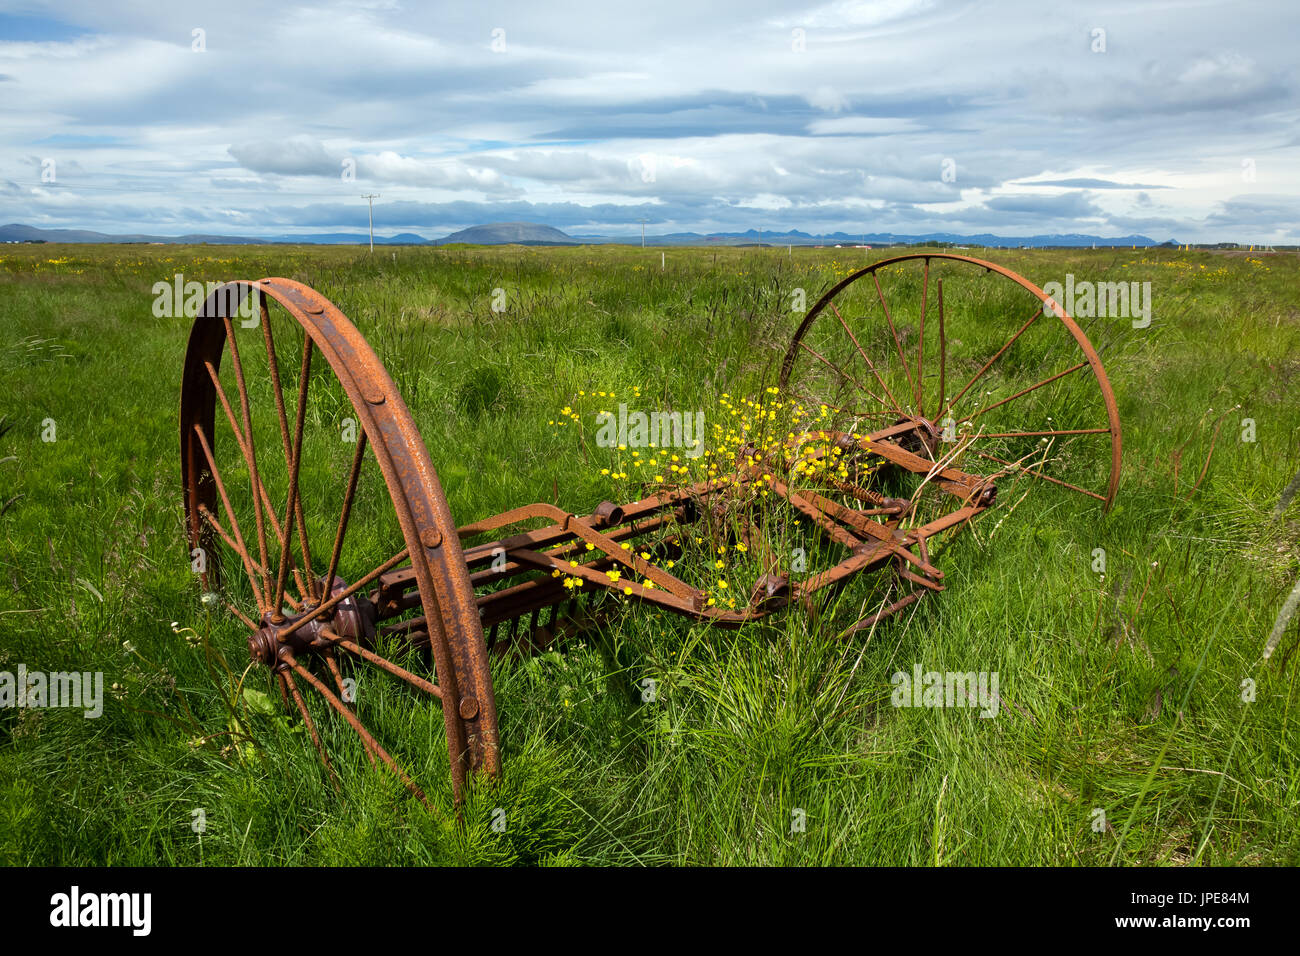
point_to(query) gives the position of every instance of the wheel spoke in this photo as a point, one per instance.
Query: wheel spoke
(234, 545)
(1024, 391)
(997, 355)
(243, 447)
(943, 350)
(894, 332)
(1039, 474)
(249, 449)
(920, 346)
(360, 729)
(293, 507)
(870, 364)
(234, 522)
(844, 411)
(353, 475)
(278, 390)
(1058, 431)
(331, 659)
(288, 680)
(843, 374)
(241, 615)
(397, 671)
(343, 595)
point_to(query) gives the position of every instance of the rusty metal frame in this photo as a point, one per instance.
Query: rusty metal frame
(466, 594)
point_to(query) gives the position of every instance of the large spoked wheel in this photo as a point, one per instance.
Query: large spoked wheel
(293, 529)
(976, 363)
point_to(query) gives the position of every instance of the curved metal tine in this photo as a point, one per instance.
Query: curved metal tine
(288, 680)
(273, 362)
(360, 729)
(261, 598)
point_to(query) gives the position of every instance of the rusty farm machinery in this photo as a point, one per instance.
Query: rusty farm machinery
(900, 413)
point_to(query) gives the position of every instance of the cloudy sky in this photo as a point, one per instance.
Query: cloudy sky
(1174, 119)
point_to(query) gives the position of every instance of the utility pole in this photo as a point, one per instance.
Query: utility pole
(371, 202)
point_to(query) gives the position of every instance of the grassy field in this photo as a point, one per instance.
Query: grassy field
(1124, 737)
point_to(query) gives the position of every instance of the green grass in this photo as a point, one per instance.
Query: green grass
(1121, 694)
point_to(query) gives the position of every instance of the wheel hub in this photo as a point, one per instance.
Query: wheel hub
(352, 618)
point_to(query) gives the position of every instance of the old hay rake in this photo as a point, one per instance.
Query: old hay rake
(896, 414)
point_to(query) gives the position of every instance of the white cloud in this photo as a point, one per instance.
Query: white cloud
(704, 111)
(829, 99)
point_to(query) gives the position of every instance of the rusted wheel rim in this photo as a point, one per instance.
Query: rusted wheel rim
(432, 549)
(880, 346)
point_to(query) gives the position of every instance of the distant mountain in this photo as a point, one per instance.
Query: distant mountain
(796, 238)
(350, 238)
(524, 233)
(14, 232)
(536, 234)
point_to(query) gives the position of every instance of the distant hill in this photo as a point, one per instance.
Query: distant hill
(796, 238)
(536, 234)
(524, 233)
(15, 232)
(353, 238)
